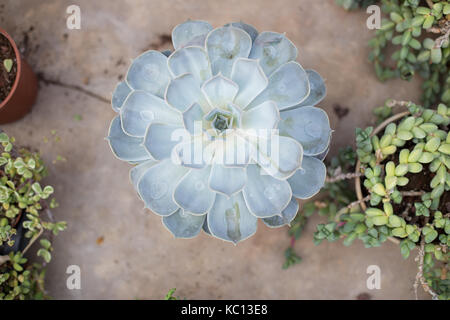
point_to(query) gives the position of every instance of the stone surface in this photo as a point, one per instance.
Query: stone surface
(138, 258)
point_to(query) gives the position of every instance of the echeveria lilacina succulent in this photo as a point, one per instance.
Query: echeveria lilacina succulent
(223, 130)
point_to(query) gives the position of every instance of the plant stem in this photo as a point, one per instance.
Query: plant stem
(343, 176)
(419, 276)
(412, 193)
(33, 240)
(351, 205)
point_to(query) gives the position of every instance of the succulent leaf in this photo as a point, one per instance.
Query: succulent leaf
(280, 88)
(264, 195)
(209, 130)
(192, 192)
(189, 31)
(308, 125)
(224, 46)
(149, 72)
(286, 217)
(230, 219)
(119, 95)
(273, 50)
(125, 147)
(309, 179)
(184, 225)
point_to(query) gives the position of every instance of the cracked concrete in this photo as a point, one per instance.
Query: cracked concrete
(138, 258)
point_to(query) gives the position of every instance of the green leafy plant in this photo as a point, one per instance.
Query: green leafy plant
(405, 163)
(21, 280)
(23, 206)
(413, 39)
(355, 4)
(169, 295)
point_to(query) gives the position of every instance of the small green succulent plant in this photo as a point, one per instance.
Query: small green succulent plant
(198, 123)
(23, 204)
(20, 280)
(419, 31)
(406, 169)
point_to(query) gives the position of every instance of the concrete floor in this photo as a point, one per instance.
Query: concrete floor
(138, 257)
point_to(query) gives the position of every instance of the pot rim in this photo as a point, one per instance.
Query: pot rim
(19, 67)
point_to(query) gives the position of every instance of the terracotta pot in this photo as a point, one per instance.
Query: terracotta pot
(24, 91)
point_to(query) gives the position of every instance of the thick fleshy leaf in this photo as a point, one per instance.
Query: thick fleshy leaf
(252, 32)
(236, 112)
(119, 95)
(188, 31)
(190, 60)
(183, 91)
(220, 91)
(308, 180)
(192, 116)
(138, 171)
(264, 195)
(194, 153)
(198, 41)
(161, 138)
(286, 216)
(233, 151)
(279, 156)
(323, 155)
(230, 220)
(224, 46)
(149, 72)
(157, 185)
(227, 180)
(308, 125)
(264, 116)
(250, 77)
(192, 193)
(125, 147)
(184, 225)
(141, 108)
(318, 89)
(273, 49)
(288, 86)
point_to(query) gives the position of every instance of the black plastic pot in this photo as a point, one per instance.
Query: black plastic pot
(20, 242)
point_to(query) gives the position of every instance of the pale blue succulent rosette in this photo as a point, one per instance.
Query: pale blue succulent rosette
(231, 80)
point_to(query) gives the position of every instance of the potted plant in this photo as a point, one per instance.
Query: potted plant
(197, 122)
(412, 39)
(18, 83)
(404, 197)
(25, 217)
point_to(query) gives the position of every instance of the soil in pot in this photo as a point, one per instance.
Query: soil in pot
(7, 77)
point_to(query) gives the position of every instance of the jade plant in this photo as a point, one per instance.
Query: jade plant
(24, 217)
(414, 39)
(405, 167)
(198, 124)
